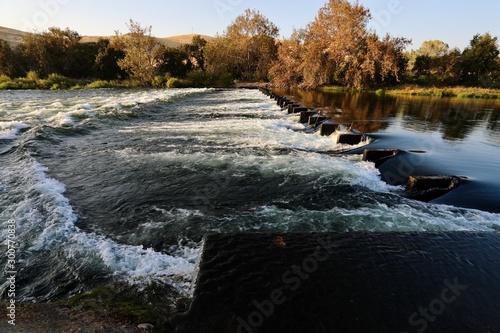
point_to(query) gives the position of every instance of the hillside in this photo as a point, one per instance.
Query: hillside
(14, 37)
(11, 35)
(172, 41)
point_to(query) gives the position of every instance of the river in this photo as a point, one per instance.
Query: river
(124, 184)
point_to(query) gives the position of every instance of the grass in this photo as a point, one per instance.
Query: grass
(415, 90)
(154, 304)
(460, 92)
(195, 79)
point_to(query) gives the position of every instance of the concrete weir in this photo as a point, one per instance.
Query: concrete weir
(346, 282)
(426, 188)
(423, 188)
(379, 156)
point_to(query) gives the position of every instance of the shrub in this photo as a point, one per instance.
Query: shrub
(4, 78)
(100, 84)
(32, 76)
(159, 81)
(9, 85)
(200, 78)
(173, 82)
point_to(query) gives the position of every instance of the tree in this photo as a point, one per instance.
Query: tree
(433, 48)
(196, 51)
(7, 56)
(338, 48)
(480, 61)
(332, 42)
(286, 70)
(106, 61)
(435, 63)
(383, 62)
(54, 51)
(174, 61)
(142, 53)
(246, 49)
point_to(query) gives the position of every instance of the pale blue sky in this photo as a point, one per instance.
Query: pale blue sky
(454, 22)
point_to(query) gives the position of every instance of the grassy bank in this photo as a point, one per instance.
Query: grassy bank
(460, 92)
(195, 79)
(413, 90)
(56, 82)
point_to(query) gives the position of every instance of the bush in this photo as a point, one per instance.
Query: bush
(100, 84)
(9, 85)
(32, 76)
(57, 82)
(174, 82)
(4, 78)
(200, 78)
(159, 81)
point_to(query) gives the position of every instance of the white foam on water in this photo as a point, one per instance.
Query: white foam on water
(10, 129)
(404, 217)
(46, 221)
(39, 107)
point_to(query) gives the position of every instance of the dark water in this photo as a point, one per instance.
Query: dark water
(347, 282)
(125, 184)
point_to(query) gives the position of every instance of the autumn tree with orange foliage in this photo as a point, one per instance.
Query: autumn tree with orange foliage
(247, 48)
(338, 48)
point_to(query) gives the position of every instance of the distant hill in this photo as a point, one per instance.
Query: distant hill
(11, 35)
(14, 37)
(172, 41)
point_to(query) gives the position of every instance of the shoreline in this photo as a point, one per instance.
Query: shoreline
(57, 82)
(59, 318)
(428, 91)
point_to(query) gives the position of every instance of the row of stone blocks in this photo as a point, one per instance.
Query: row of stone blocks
(314, 119)
(424, 188)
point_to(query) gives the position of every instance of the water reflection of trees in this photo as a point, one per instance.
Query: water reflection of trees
(455, 118)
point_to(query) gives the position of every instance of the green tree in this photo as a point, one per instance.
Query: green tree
(196, 51)
(53, 51)
(7, 57)
(246, 49)
(106, 61)
(142, 53)
(174, 61)
(433, 48)
(434, 63)
(480, 61)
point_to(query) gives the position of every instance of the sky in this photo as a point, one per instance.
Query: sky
(454, 22)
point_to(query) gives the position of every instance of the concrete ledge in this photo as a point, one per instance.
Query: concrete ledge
(293, 105)
(379, 156)
(299, 109)
(316, 120)
(346, 282)
(328, 128)
(427, 188)
(305, 115)
(350, 138)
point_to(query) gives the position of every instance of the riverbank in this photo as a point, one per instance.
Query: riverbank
(54, 317)
(415, 90)
(111, 308)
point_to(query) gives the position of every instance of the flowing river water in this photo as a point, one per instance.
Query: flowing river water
(124, 184)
